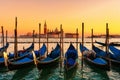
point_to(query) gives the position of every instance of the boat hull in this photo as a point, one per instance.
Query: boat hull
(41, 65)
(95, 65)
(2, 64)
(69, 68)
(113, 62)
(19, 66)
(69, 74)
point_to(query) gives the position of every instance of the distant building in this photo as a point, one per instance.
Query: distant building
(71, 35)
(54, 34)
(45, 28)
(51, 33)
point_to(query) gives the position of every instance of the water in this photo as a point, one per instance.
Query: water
(56, 72)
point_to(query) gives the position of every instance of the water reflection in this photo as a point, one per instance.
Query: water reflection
(47, 72)
(69, 75)
(21, 73)
(57, 73)
(93, 73)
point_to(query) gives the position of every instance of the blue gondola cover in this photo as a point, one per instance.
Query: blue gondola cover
(1, 59)
(99, 61)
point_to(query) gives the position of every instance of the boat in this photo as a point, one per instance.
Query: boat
(101, 43)
(92, 59)
(71, 57)
(116, 52)
(26, 61)
(111, 44)
(4, 48)
(103, 54)
(21, 53)
(51, 60)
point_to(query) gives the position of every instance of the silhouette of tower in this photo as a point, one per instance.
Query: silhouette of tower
(45, 28)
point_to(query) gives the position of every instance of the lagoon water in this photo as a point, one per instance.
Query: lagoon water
(57, 73)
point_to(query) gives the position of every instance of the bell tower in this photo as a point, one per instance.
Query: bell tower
(45, 28)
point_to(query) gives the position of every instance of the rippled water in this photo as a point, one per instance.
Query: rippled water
(57, 72)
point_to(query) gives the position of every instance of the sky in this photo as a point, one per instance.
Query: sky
(70, 13)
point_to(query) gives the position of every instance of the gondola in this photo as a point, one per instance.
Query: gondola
(21, 53)
(116, 52)
(26, 61)
(71, 57)
(111, 44)
(101, 43)
(51, 60)
(90, 57)
(103, 54)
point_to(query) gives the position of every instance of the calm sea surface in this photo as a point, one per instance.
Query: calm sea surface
(57, 73)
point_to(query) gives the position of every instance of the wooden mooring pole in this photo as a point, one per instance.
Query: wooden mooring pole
(2, 35)
(47, 43)
(107, 44)
(92, 39)
(39, 33)
(61, 49)
(77, 39)
(15, 39)
(6, 36)
(62, 39)
(33, 37)
(82, 44)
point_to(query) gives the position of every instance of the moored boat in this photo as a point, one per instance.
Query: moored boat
(71, 57)
(111, 44)
(112, 57)
(21, 53)
(92, 59)
(51, 60)
(26, 61)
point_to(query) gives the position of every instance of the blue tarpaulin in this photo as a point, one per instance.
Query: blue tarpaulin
(99, 61)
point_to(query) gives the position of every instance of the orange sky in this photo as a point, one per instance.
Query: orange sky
(69, 13)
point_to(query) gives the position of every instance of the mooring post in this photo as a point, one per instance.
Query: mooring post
(6, 35)
(33, 37)
(39, 33)
(15, 42)
(107, 44)
(2, 35)
(77, 39)
(47, 43)
(82, 44)
(92, 38)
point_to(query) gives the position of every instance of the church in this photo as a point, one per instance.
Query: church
(51, 33)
